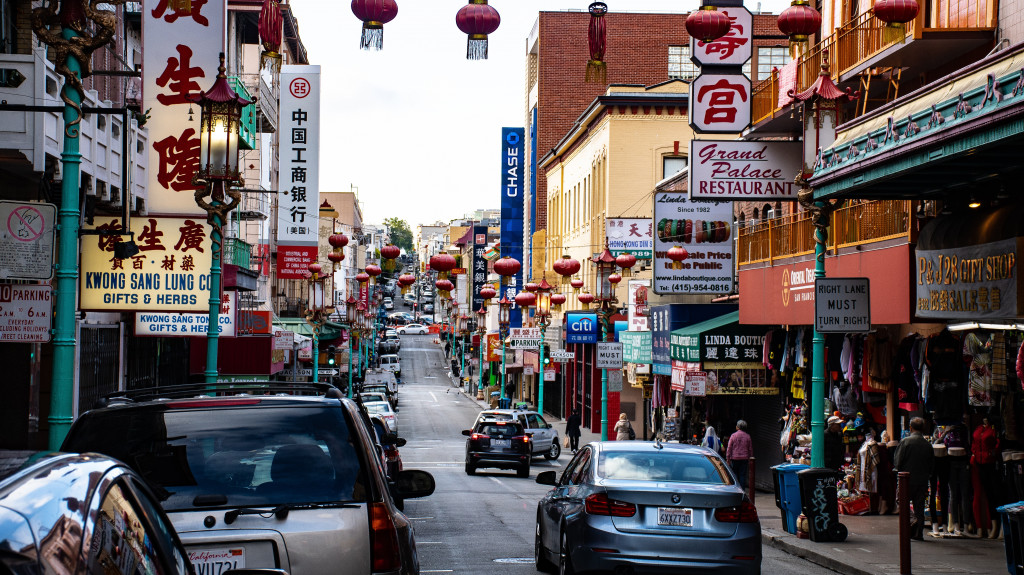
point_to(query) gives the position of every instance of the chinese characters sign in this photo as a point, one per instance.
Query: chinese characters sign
(512, 208)
(704, 229)
(733, 49)
(970, 282)
(735, 170)
(635, 236)
(478, 270)
(171, 272)
(299, 180)
(720, 103)
(181, 43)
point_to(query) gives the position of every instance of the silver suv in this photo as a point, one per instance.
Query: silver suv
(545, 437)
(261, 476)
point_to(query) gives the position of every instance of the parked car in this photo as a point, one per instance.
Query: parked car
(389, 444)
(383, 410)
(652, 507)
(390, 362)
(413, 328)
(544, 435)
(262, 473)
(389, 304)
(501, 444)
(382, 389)
(70, 513)
(428, 308)
(373, 396)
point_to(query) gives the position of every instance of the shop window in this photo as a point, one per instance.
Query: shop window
(770, 57)
(672, 165)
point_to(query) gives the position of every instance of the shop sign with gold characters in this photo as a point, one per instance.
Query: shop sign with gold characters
(970, 282)
(171, 272)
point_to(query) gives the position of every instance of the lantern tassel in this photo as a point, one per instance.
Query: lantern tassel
(597, 72)
(894, 32)
(476, 48)
(271, 61)
(372, 38)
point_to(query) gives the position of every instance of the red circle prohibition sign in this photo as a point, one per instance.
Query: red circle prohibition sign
(16, 217)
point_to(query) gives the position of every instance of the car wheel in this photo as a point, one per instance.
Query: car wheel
(540, 554)
(555, 451)
(524, 470)
(470, 469)
(564, 561)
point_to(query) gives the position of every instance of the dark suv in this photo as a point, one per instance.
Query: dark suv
(501, 444)
(263, 476)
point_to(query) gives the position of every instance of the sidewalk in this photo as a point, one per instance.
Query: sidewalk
(871, 547)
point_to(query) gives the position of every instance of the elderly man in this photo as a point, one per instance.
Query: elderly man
(739, 451)
(916, 456)
(835, 449)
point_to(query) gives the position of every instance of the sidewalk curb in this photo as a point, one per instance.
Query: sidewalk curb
(779, 541)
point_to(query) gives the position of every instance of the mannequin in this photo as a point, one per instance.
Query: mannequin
(939, 485)
(985, 453)
(958, 455)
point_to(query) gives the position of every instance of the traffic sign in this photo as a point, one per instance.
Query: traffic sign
(26, 240)
(308, 372)
(562, 356)
(842, 305)
(609, 355)
(25, 313)
(525, 337)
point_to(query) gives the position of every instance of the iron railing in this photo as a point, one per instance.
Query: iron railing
(247, 123)
(237, 252)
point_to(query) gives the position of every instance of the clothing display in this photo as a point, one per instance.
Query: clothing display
(979, 376)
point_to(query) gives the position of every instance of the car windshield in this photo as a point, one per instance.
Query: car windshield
(496, 430)
(377, 407)
(371, 397)
(233, 457)
(664, 465)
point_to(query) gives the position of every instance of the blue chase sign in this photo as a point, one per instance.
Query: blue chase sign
(581, 327)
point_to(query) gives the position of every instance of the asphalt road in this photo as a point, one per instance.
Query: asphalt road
(482, 523)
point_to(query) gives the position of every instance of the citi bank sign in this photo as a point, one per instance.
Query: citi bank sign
(581, 328)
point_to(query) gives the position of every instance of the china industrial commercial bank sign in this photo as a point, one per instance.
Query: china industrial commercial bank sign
(171, 272)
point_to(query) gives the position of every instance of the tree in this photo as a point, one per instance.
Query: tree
(400, 233)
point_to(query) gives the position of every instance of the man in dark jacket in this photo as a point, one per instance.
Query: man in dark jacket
(835, 449)
(572, 430)
(916, 456)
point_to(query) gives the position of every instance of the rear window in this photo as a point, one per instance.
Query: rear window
(233, 457)
(664, 465)
(495, 430)
(377, 407)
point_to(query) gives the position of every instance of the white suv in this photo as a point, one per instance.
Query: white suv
(545, 437)
(391, 362)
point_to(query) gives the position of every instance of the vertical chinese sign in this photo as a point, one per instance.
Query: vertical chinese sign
(298, 200)
(478, 271)
(512, 208)
(182, 40)
(720, 96)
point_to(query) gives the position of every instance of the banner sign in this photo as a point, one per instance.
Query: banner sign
(581, 327)
(187, 324)
(299, 197)
(748, 171)
(720, 103)
(733, 49)
(679, 371)
(180, 44)
(25, 313)
(479, 266)
(524, 338)
(633, 235)
(171, 272)
(636, 346)
(493, 347)
(704, 229)
(637, 308)
(609, 355)
(26, 240)
(513, 141)
(970, 283)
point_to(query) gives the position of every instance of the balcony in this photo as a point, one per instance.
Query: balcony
(247, 123)
(943, 32)
(850, 226)
(237, 259)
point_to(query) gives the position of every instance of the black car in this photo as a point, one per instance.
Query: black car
(501, 444)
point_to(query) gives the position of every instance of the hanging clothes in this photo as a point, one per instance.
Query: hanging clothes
(999, 363)
(979, 377)
(868, 459)
(946, 393)
(880, 351)
(844, 396)
(907, 391)
(797, 384)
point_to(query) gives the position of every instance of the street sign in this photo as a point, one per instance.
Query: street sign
(525, 337)
(562, 356)
(609, 355)
(549, 375)
(842, 305)
(25, 313)
(614, 380)
(308, 372)
(26, 240)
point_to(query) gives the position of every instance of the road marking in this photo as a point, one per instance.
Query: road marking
(432, 396)
(436, 570)
(498, 481)
(425, 376)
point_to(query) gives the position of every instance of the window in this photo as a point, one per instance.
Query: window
(679, 64)
(123, 540)
(770, 57)
(672, 165)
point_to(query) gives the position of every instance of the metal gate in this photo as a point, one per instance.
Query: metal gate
(157, 361)
(98, 364)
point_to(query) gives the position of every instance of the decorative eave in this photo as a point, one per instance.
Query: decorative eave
(825, 89)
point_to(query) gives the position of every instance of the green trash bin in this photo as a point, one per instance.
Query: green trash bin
(1012, 516)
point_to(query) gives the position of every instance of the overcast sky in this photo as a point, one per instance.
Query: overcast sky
(416, 126)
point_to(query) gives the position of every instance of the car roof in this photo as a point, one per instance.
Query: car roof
(641, 446)
(509, 412)
(221, 395)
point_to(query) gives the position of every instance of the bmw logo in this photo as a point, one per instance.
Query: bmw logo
(675, 498)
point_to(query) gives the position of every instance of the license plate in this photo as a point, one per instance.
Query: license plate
(675, 516)
(217, 561)
(501, 442)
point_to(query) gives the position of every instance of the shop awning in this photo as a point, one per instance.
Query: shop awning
(684, 343)
(328, 331)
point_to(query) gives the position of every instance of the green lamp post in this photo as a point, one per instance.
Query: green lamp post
(543, 318)
(605, 264)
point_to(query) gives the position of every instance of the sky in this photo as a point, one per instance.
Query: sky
(415, 128)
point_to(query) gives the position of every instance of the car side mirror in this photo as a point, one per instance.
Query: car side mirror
(414, 483)
(529, 434)
(467, 432)
(547, 478)
(400, 442)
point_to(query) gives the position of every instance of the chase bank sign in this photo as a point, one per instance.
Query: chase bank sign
(581, 327)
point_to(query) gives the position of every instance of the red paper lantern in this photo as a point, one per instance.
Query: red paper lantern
(799, 21)
(336, 256)
(557, 299)
(373, 269)
(374, 14)
(531, 286)
(314, 268)
(614, 279)
(525, 299)
(362, 277)
(576, 284)
(566, 267)
(337, 240)
(896, 12)
(477, 20)
(487, 292)
(586, 298)
(597, 70)
(677, 254)
(442, 263)
(444, 285)
(406, 279)
(270, 27)
(507, 266)
(390, 252)
(707, 24)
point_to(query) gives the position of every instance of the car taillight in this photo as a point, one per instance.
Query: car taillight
(599, 504)
(744, 513)
(386, 553)
(391, 454)
(479, 436)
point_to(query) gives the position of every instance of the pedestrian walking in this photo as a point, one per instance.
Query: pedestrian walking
(835, 450)
(623, 430)
(739, 451)
(711, 440)
(916, 456)
(572, 430)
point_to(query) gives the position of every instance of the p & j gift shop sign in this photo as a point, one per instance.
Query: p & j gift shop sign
(171, 272)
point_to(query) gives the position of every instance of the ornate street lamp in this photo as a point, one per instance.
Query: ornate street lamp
(543, 317)
(606, 280)
(220, 109)
(481, 328)
(316, 311)
(350, 318)
(504, 311)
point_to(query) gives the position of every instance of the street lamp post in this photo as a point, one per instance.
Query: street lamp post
(605, 263)
(481, 328)
(316, 312)
(220, 110)
(350, 317)
(543, 316)
(504, 307)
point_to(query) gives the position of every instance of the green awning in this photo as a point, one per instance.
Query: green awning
(328, 331)
(684, 343)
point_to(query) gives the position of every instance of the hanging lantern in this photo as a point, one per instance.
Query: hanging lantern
(597, 69)
(374, 14)
(315, 268)
(531, 286)
(614, 279)
(270, 27)
(389, 253)
(626, 261)
(677, 254)
(362, 277)
(477, 20)
(487, 293)
(405, 281)
(707, 24)
(337, 240)
(557, 299)
(566, 267)
(442, 264)
(895, 14)
(373, 270)
(336, 257)
(525, 299)
(586, 298)
(576, 284)
(799, 22)
(507, 266)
